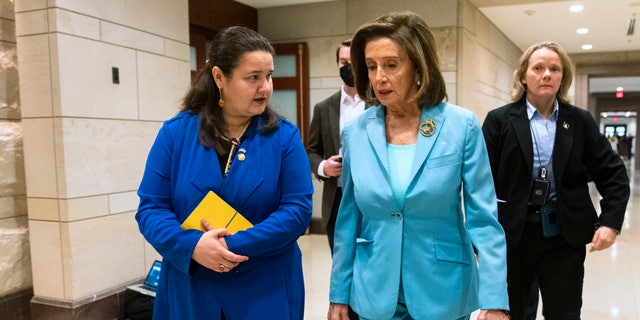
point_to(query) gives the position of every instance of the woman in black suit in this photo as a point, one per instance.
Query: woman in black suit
(543, 152)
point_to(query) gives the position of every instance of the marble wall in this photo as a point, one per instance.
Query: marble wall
(86, 137)
(15, 261)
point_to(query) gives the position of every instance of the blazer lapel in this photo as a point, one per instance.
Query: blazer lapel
(378, 138)
(522, 129)
(424, 143)
(564, 138)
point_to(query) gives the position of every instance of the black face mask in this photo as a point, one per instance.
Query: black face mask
(347, 74)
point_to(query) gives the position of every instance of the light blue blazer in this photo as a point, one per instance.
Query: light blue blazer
(430, 244)
(271, 186)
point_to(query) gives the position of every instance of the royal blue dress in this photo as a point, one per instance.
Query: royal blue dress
(269, 184)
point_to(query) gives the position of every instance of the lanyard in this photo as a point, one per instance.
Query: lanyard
(542, 173)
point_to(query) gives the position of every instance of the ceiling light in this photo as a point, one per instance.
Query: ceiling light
(576, 8)
(619, 89)
(587, 47)
(582, 31)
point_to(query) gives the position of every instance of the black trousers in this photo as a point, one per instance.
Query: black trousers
(532, 308)
(558, 269)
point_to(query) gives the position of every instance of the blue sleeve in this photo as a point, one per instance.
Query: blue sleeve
(481, 212)
(293, 210)
(345, 234)
(156, 218)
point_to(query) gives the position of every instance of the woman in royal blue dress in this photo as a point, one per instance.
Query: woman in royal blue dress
(227, 139)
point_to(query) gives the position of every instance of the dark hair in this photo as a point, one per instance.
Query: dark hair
(412, 34)
(346, 43)
(519, 90)
(227, 47)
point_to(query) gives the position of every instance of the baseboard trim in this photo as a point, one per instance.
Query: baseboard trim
(106, 305)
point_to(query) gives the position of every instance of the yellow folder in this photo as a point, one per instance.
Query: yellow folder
(218, 213)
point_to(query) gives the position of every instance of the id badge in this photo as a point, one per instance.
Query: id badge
(539, 192)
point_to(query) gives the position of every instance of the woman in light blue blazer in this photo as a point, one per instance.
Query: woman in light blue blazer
(417, 235)
(228, 140)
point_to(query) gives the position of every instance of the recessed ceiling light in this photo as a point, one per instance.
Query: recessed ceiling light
(576, 8)
(582, 31)
(587, 47)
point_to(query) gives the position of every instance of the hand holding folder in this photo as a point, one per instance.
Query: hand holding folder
(218, 214)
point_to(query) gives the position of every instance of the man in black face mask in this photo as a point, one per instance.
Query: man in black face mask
(329, 117)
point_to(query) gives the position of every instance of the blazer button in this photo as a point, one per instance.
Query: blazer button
(398, 215)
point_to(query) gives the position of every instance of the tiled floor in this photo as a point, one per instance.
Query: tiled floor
(611, 286)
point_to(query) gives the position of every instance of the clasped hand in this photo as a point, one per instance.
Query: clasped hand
(212, 252)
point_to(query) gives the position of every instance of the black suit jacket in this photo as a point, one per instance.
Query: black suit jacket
(323, 142)
(580, 154)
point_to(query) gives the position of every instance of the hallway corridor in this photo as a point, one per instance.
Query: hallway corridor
(611, 285)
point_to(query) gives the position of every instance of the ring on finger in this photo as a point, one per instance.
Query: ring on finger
(222, 267)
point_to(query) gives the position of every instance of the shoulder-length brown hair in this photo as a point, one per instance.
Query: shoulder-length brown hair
(227, 48)
(519, 89)
(411, 33)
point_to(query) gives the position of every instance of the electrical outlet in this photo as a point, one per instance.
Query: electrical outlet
(115, 75)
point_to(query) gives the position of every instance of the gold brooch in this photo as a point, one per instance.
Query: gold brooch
(241, 153)
(565, 126)
(427, 128)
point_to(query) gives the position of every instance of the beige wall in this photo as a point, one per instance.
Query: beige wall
(486, 63)
(86, 138)
(324, 25)
(477, 60)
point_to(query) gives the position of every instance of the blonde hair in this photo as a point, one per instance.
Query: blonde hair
(519, 89)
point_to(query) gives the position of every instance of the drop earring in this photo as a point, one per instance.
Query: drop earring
(419, 83)
(221, 101)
